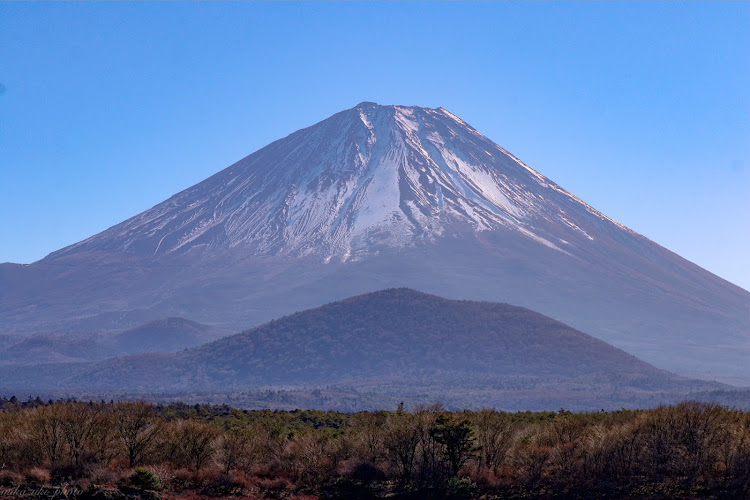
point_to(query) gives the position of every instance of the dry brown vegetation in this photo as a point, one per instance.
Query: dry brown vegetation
(137, 450)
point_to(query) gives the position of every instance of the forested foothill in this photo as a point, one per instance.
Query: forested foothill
(138, 450)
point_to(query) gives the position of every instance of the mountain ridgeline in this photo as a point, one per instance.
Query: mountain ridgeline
(379, 197)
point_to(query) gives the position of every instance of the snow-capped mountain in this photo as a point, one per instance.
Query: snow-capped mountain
(376, 197)
(368, 178)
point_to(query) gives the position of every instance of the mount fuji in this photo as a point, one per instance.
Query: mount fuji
(378, 197)
(365, 180)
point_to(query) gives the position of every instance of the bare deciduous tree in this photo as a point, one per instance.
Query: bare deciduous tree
(401, 440)
(137, 427)
(46, 429)
(195, 440)
(78, 422)
(232, 451)
(494, 437)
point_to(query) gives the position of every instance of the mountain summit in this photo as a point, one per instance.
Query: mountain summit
(378, 197)
(366, 179)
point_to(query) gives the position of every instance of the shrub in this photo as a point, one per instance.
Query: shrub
(66, 472)
(37, 476)
(461, 488)
(144, 479)
(9, 478)
(367, 472)
(100, 474)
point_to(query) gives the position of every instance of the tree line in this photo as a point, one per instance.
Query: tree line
(143, 450)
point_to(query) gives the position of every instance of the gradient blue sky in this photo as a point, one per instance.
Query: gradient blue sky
(641, 109)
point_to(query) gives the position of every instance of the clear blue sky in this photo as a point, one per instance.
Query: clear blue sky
(641, 109)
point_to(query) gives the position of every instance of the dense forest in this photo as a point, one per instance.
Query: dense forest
(138, 450)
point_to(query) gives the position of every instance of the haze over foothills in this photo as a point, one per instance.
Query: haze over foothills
(640, 110)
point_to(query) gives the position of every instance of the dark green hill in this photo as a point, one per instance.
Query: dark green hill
(395, 336)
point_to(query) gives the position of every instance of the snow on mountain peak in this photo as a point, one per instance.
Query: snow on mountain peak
(365, 179)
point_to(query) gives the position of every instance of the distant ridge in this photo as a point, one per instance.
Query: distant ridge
(164, 335)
